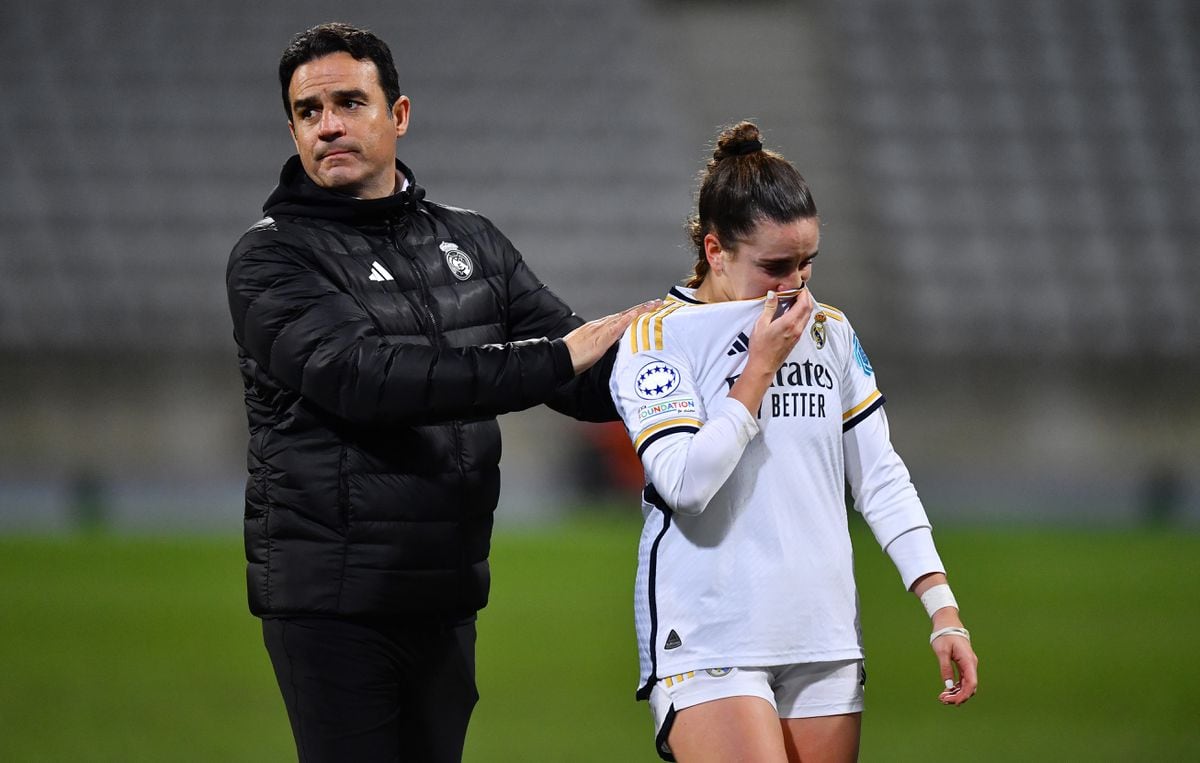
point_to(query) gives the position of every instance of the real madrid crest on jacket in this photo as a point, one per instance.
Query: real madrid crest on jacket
(363, 328)
(457, 260)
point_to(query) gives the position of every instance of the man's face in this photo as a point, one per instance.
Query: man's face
(344, 131)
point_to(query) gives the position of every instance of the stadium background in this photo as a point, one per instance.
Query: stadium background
(1011, 215)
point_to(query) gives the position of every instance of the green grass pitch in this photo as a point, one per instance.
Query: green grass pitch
(141, 649)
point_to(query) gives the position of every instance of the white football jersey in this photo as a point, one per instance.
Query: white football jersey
(764, 575)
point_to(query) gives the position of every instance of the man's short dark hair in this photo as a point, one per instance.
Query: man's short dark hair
(336, 37)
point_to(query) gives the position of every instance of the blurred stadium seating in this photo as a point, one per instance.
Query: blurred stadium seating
(159, 133)
(1009, 192)
(1034, 168)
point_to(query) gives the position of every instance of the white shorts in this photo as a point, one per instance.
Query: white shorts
(803, 690)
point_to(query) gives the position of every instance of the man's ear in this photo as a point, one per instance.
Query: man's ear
(400, 111)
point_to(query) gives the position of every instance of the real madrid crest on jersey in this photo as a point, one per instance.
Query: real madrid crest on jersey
(818, 329)
(457, 260)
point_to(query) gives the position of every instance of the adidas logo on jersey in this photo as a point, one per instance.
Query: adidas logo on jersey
(741, 344)
(673, 640)
(379, 272)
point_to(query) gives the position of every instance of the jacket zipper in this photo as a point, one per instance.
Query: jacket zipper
(435, 330)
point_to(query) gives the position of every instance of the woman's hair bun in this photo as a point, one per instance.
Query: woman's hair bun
(738, 140)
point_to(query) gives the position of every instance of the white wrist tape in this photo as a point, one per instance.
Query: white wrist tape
(953, 630)
(938, 597)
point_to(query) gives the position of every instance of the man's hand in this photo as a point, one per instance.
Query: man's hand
(589, 342)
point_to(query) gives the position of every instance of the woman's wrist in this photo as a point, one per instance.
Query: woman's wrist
(946, 617)
(751, 387)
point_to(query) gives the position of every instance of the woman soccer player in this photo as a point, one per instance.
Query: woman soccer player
(751, 406)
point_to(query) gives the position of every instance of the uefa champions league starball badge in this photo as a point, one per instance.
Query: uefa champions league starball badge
(656, 380)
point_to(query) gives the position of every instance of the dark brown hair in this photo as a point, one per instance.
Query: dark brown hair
(334, 37)
(742, 185)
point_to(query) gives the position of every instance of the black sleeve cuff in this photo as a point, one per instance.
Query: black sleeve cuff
(564, 369)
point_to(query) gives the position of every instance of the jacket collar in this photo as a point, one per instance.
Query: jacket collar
(298, 195)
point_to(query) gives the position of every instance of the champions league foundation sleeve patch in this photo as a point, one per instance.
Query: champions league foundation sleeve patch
(675, 407)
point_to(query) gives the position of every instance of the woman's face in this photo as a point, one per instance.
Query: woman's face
(775, 257)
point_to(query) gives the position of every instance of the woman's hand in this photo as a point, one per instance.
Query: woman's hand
(955, 651)
(776, 333)
(772, 340)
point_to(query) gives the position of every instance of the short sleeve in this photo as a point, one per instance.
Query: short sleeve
(656, 395)
(860, 393)
(687, 452)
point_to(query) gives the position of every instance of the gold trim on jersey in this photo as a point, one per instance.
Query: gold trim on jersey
(651, 430)
(858, 408)
(658, 323)
(647, 333)
(833, 312)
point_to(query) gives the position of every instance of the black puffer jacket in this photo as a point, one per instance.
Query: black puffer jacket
(378, 340)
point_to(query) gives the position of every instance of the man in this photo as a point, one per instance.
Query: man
(379, 335)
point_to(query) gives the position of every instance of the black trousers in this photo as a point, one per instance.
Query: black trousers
(375, 690)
